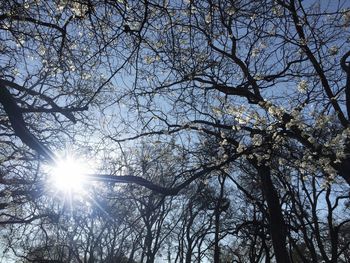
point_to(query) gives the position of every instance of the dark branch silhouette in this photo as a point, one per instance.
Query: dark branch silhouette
(15, 115)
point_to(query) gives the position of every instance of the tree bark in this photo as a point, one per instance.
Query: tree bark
(217, 212)
(277, 225)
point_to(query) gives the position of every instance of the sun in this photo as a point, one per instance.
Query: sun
(67, 174)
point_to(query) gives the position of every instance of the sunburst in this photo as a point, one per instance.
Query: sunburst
(68, 174)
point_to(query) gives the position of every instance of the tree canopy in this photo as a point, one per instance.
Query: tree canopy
(210, 131)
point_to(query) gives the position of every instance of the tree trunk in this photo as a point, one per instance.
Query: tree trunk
(277, 225)
(217, 212)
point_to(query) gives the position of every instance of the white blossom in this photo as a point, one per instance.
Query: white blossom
(231, 11)
(240, 148)
(303, 86)
(333, 50)
(257, 140)
(207, 18)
